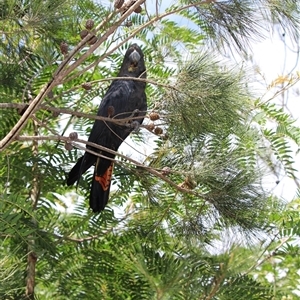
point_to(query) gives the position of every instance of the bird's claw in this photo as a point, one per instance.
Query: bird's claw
(135, 113)
(134, 125)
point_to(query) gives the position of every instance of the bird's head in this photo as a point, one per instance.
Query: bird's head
(133, 63)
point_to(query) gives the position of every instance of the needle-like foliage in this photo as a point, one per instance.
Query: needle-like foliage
(186, 184)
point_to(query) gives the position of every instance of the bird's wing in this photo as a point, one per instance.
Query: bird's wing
(114, 105)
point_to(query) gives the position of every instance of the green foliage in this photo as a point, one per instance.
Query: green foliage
(280, 136)
(159, 237)
(230, 28)
(280, 260)
(234, 23)
(207, 99)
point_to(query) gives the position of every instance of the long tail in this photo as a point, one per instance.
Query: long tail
(83, 163)
(101, 184)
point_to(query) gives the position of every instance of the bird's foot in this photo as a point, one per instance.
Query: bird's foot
(134, 125)
(135, 113)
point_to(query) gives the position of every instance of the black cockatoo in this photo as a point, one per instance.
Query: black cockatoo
(125, 98)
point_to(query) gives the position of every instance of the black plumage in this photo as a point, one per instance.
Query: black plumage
(125, 98)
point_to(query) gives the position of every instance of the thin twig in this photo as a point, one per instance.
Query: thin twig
(272, 254)
(96, 146)
(119, 121)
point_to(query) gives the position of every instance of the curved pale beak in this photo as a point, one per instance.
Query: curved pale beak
(134, 57)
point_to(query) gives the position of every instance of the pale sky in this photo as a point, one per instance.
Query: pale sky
(279, 56)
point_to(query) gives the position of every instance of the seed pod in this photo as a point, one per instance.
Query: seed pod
(138, 10)
(55, 114)
(68, 146)
(158, 130)
(64, 48)
(165, 171)
(73, 136)
(110, 111)
(153, 116)
(83, 33)
(93, 40)
(50, 95)
(128, 23)
(89, 24)
(118, 4)
(165, 136)
(150, 126)
(87, 86)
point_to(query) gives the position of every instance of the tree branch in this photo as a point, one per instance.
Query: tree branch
(66, 68)
(60, 73)
(119, 121)
(152, 171)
